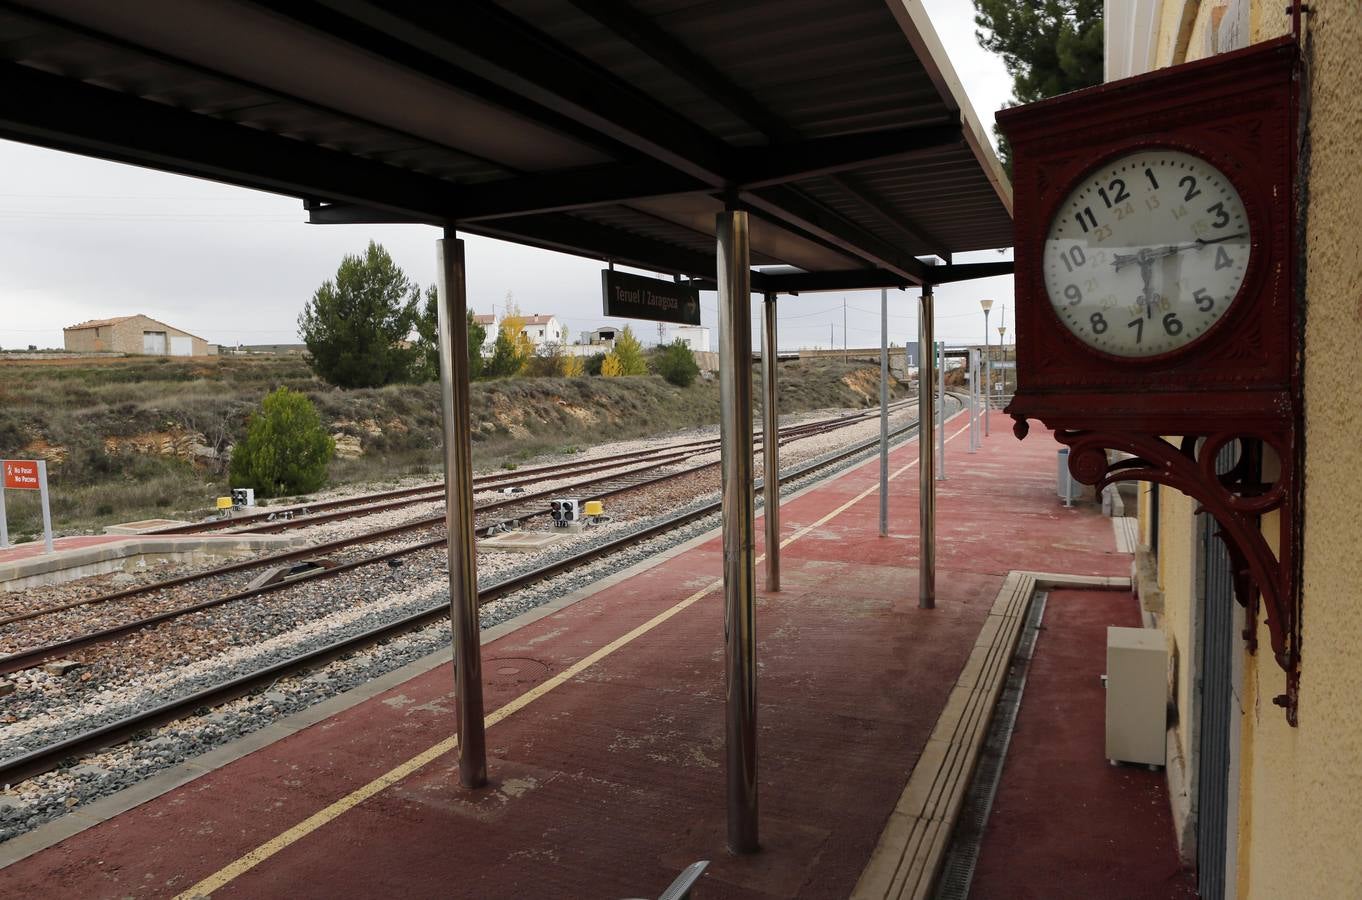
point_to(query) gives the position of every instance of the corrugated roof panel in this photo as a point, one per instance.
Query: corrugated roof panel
(382, 82)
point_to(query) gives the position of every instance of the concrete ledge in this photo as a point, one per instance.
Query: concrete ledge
(908, 857)
(127, 553)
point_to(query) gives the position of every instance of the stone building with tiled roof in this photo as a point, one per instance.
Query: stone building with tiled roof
(136, 335)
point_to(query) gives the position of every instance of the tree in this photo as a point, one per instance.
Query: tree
(356, 327)
(1049, 46)
(594, 362)
(610, 366)
(286, 449)
(427, 364)
(572, 366)
(629, 353)
(676, 363)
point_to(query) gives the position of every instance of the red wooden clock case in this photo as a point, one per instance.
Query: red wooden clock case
(1238, 382)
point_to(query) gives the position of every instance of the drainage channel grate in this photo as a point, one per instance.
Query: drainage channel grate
(958, 869)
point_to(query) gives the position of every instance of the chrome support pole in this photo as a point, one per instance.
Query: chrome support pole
(988, 375)
(884, 412)
(941, 411)
(463, 572)
(770, 443)
(973, 369)
(926, 481)
(735, 430)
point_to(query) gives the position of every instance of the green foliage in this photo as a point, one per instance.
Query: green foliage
(355, 327)
(1049, 46)
(676, 363)
(286, 449)
(427, 364)
(629, 353)
(507, 356)
(594, 362)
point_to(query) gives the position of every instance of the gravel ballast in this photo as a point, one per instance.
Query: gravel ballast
(45, 708)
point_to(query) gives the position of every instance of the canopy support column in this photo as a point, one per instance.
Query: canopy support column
(463, 571)
(941, 411)
(884, 412)
(926, 433)
(770, 443)
(735, 420)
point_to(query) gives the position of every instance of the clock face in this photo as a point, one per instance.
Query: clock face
(1147, 253)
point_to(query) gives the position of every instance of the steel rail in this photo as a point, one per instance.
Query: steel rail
(324, 548)
(50, 757)
(436, 489)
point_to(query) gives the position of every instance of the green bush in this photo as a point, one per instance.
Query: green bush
(286, 449)
(594, 362)
(676, 363)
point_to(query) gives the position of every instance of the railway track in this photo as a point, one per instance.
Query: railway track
(50, 757)
(271, 521)
(515, 509)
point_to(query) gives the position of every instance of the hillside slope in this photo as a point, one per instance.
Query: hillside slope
(130, 438)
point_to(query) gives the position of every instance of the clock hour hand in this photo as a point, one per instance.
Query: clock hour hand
(1120, 260)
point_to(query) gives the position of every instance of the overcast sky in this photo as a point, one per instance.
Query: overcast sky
(83, 239)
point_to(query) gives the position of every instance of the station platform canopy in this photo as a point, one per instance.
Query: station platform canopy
(612, 129)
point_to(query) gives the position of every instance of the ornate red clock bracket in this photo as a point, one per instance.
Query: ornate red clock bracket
(1238, 498)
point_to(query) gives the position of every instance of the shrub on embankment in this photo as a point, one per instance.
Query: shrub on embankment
(138, 437)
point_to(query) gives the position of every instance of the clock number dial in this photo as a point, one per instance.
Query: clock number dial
(1160, 236)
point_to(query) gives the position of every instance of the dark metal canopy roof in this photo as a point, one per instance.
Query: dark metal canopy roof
(613, 129)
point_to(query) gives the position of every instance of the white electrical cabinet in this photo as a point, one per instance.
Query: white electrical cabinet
(1137, 717)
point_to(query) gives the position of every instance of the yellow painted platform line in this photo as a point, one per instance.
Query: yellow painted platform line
(244, 864)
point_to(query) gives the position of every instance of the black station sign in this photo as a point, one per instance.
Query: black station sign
(638, 297)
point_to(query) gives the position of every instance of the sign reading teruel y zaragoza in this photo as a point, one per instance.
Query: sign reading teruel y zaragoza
(638, 297)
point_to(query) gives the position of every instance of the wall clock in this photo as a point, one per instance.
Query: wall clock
(1156, 299)
(1147, 253)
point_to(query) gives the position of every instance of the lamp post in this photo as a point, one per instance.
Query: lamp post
(988, 366)
(1002, 351)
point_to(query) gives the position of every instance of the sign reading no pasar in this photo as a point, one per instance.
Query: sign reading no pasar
(22, 474)
(637, 297)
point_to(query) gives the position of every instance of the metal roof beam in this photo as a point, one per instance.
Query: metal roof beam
(646, 34)
(569, 234)
(866, 279)
(338, 23)
(749, 167)
(969, 271)
(65, 114)
(780, 163)
(786, 205)
(488, 43)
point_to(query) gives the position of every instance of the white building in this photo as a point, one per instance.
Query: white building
(696, 337)
(490, 324)
(543, 330)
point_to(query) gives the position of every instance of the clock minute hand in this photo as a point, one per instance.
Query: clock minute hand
(1120, 260)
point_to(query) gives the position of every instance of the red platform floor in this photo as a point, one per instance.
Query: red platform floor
(606, 723)
(30, 549)
(1064, 823)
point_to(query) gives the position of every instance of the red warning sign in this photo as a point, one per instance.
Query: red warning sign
(21, 474)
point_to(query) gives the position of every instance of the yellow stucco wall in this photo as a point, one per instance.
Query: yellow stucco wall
(1304, 786)
(1176, 557)
(1300, 789)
